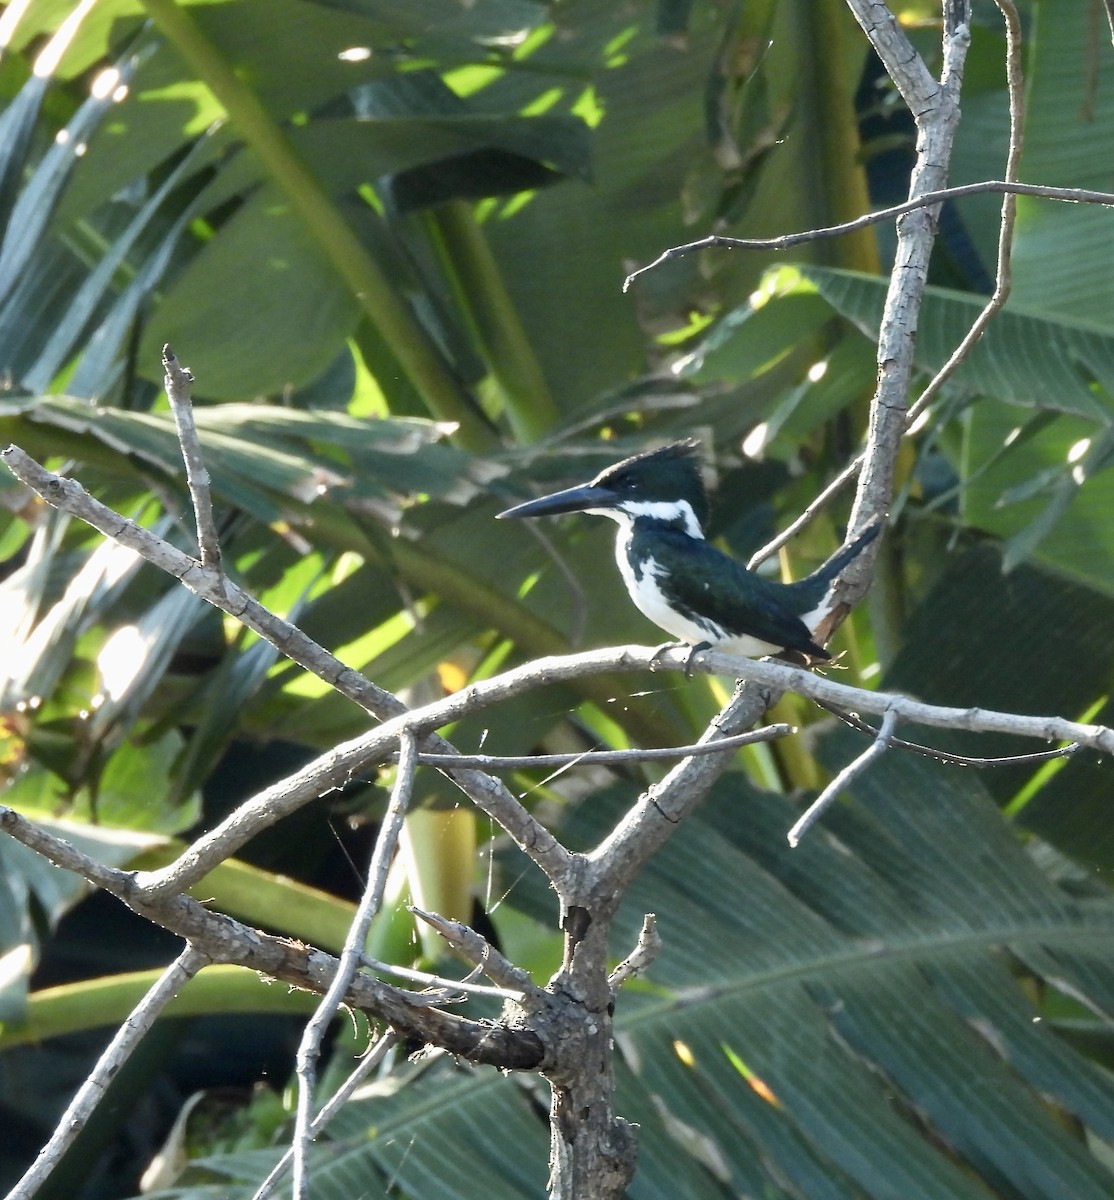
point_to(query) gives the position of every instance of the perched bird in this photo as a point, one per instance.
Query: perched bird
(682, 582)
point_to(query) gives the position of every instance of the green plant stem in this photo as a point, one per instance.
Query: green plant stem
(107, 1001)
(481, 293)
(840, 168)
(409, 342)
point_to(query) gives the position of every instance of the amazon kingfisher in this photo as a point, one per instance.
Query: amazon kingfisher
(682, 582)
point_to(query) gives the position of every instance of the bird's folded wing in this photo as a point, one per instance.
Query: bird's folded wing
(709, 584)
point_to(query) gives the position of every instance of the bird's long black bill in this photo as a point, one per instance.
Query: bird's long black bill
(574, 499)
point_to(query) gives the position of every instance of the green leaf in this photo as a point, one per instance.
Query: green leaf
(1025, 357)
(32, 211)
(1059, 249)
(1005, 463)
(135, 775)
(136, 656)
(26, 878)
(466, 153)
(90, 296)
(17, 125)
(260, 457)
(750, 340)
(214, 309)
(1071, 809)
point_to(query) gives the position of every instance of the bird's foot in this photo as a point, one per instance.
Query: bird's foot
(655, 658)
(693, 652)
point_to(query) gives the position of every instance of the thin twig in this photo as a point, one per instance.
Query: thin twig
(818, 505)
(451, 988)
(476, 949)
(179, 383)
(224, 939)
(935, 109)
(944, 756)
(92, 1091)
(1003, 274)
(640, 959)
(787, 241)
(368, 1062)
(1003, 277)
(352, 758)
(849, 773)
(604, 758)
(488, 794)
(310, 1049)
(212, 586)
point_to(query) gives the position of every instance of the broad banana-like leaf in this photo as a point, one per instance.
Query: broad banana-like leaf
(851, 1019)
(982, 637)
(1060, 250)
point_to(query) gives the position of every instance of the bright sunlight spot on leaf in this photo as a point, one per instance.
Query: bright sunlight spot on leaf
(588, 107)
(758, 1085)
(1075, 456)
(684, 1053)
(613, 51)
(780, 281)
(817, 371)
(355, 54)
(104, 84)
(534, 40)
(347, 564)
(13, 964)
(9, 20)
(468, 80)
(452, 676)
(755, 442)
(528, 583)
(543, 103)
(507, 41)
(47, 62)
(120, 662)
(516, 204)
(191, 95)
(697, 323)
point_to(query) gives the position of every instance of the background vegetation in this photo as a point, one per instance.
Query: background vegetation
(389, 240)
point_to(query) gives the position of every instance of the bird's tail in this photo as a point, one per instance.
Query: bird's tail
(847, 554)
